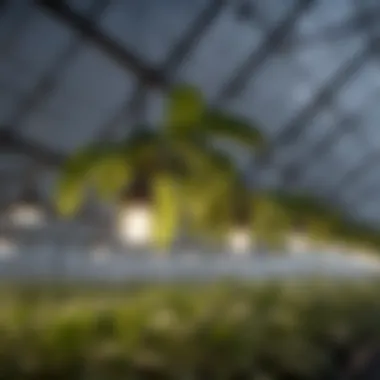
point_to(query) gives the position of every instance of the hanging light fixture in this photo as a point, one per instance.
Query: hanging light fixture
(135, 216)
(28, 211)
(135, 223)
(240, 240)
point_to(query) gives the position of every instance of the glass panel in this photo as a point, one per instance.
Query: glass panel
(150, 28)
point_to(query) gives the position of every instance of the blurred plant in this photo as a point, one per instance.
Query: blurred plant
(176, 179)
(320, 225)
(284, 330)
(175, 171)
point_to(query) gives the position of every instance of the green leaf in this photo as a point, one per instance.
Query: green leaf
(185, 109)
(206, 205)
(270, 221)
(106, 167)
(202, 159)
(73, 180)
(70, 195)
(110, 174)
(166, 210)
(219, 124)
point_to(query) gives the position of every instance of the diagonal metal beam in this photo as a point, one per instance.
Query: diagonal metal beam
(247, 11)
(369, 194)
(357, 172)
(358, 132)
(140, 68)
(295, 128)
(20, 23)
(369, 190)
(331, 33)
(52, 76)
(12, 142)
(125, 58)
(364, 191)
(258, 57)
(300, 166)
(350, 123)
(292, 131)
(370, 22)
(176, 56)
(154, 77)
(192, 36)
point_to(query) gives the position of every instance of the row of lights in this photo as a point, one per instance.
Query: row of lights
(135, 228)
(24, 214)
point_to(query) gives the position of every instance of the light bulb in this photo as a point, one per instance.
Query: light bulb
(239, 240)
(135, 224)
(26, 215)
(7, 248)
(298, 243)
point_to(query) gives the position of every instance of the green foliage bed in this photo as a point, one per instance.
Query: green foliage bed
(281, 331)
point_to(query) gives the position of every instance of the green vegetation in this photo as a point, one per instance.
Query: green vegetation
(281, 331)
(193, 185)
(176, 168)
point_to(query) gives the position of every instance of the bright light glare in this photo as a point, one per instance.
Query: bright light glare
(24, 215)
(7, 248)
(240, 241)
(136, 224)
(298, 243)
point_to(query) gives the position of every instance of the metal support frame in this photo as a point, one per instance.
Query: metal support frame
(125, 58)
(50, 79)
(12, 142)
(299, 167)
(293, 130)
(153, 77)
(175, 57)
(370, 193)
(349, 123)
(348, 28)
(258, 57)
(156, 77)
(369, 162)
(357, 172)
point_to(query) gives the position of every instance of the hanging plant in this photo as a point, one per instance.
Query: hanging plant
(171, 160)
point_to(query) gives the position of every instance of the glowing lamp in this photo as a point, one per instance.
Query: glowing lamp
(135, 223)
(27, 212)
(240, 241)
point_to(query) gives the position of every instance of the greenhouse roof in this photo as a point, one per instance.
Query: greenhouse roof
(306, 72)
